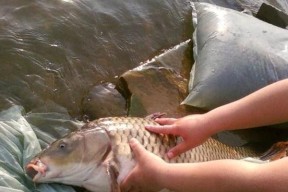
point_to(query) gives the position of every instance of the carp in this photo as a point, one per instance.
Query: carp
(98, 157)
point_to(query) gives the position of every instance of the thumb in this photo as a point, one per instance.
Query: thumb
(136, 148)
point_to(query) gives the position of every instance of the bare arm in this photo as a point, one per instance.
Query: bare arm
(226, 176)
(266, 106)
(152, 174)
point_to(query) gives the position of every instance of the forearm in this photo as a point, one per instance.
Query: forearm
(225, 176)
(266, 106)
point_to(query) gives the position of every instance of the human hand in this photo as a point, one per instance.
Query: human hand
(145, 175)
(193, 129)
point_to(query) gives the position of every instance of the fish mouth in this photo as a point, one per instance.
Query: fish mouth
(35, 169)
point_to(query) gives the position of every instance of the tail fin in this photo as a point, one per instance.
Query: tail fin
(277, 151)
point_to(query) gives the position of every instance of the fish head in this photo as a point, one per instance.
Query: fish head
(71, 159)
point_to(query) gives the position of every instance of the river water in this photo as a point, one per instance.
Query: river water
(56, 51)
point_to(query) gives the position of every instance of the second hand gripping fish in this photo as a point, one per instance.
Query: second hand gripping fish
(98, 157)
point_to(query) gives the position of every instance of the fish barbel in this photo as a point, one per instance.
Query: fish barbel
(98, 157)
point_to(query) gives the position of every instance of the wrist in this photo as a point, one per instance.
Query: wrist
(162, 177)
(172, 177)
(212, 123)
(208, 124)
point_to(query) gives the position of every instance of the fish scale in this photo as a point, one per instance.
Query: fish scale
(122, 129)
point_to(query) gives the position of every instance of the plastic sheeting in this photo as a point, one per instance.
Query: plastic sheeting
(235, 54)
(19, 143)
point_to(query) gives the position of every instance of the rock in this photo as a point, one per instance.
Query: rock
(273, 15)
(103, 100)
(160, 84)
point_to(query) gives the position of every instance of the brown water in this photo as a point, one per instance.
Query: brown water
(57, 50)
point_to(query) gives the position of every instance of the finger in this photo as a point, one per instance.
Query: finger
(135, 190)
(165, 121)
(125, 185)
(165, 129)
(137, 148)
(177, 150)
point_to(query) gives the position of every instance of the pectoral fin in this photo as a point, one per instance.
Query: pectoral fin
(113, 172)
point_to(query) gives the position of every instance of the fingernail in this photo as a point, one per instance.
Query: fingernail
(148, 127)
(133, 141)
(170, 155)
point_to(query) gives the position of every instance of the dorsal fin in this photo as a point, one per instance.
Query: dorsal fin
(154, 116)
